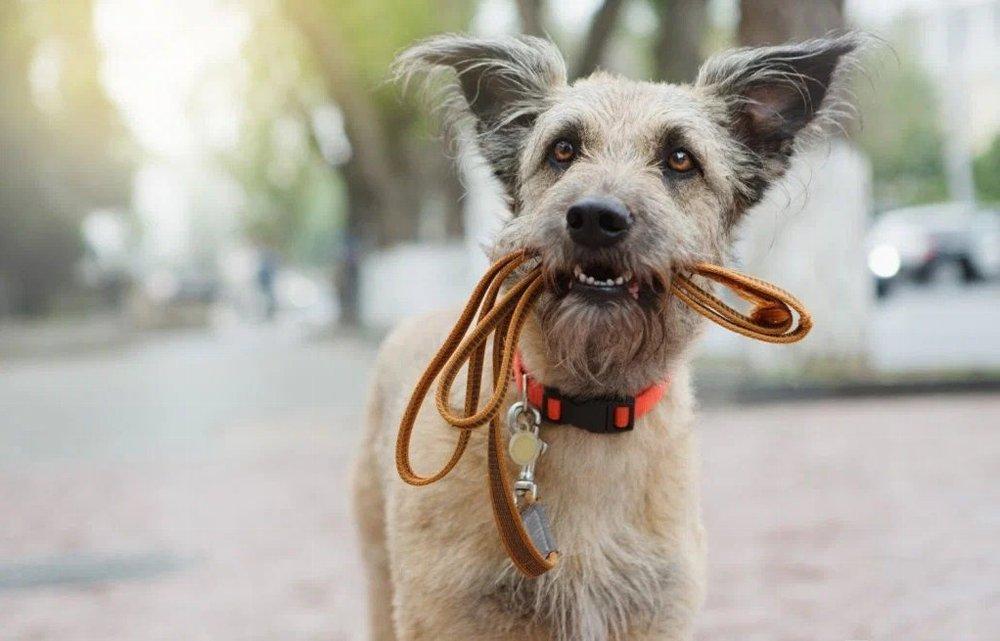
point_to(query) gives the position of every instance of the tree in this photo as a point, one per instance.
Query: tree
(771, 22)
(987, 173)
(397, 181)
(531, 12)
(677, 49)
(900, 134)
(61, 147)
(595, 44)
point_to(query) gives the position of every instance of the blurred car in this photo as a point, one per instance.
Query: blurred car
(930, 242)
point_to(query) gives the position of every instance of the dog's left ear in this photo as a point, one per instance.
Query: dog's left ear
(503, 84)
(772, 95)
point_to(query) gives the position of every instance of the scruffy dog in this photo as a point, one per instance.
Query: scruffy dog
(614, 183)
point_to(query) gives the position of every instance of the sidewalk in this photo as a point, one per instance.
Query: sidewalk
(37, 339)
(870, 519)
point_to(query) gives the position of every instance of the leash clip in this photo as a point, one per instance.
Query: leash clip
(524, 448)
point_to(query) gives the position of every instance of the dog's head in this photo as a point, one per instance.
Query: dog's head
(616, 183)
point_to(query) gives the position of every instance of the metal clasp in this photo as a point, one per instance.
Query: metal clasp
(521, 415)
(524, 448)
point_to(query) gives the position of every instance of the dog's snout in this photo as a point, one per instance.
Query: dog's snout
(598, 222)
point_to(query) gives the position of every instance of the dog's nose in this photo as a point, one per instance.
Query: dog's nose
(598, 222)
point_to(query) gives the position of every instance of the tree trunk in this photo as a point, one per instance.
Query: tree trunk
(361, 205)
(601, 27)
(530, 12)
(771, 22)
(378, 207)
(362, 121)
(678, 46)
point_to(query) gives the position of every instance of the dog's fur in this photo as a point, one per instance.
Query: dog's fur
(625, 508)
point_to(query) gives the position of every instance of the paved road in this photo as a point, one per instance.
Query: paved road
(941, 327)
(193, 488)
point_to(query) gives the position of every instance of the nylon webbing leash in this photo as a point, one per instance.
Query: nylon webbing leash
(523, 528)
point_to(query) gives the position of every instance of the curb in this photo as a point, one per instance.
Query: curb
(754, 394)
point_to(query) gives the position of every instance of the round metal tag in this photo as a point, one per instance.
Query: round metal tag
(524, 447)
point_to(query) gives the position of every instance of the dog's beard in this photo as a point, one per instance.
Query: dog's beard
(615, 347)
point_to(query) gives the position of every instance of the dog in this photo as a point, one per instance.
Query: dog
(614, 184)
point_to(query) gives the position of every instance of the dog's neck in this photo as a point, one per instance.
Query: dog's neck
(627, 379)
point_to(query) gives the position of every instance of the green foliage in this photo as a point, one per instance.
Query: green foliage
(294, 203)
(900, 133)
(373, 31)
(986, 170)
(297, 203)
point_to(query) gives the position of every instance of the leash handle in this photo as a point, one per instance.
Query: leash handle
(771, 319)
(503, 317)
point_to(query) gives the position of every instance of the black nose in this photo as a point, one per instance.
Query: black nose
(598, 222)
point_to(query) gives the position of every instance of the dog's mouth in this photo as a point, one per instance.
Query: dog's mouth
(600, 282)
(603, 280)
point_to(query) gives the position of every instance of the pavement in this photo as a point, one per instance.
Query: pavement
(193, 487)
(922, 328)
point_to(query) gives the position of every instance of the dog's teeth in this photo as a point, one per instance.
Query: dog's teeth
(611, 281)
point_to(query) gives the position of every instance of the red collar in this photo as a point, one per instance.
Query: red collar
(602, 415)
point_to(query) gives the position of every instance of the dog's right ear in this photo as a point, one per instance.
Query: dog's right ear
(502, 84)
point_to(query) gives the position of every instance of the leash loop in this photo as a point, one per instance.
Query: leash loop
(771, 319)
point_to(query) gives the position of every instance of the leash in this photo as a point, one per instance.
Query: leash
(521, 520)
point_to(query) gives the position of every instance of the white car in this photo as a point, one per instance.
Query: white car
(920, 243)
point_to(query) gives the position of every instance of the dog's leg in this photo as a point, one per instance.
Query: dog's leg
(369, 507)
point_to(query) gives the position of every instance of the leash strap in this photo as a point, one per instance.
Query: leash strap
(504, 317)
(771, 319)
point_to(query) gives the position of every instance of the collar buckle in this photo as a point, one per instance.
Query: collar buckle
(602, 415)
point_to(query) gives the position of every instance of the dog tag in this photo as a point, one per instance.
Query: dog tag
(524, 447)
(536, 522)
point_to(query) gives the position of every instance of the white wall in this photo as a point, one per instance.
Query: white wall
(808, 237)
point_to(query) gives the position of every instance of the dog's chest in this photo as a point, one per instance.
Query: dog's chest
(609, 587)
(618, 515)
(620, 573)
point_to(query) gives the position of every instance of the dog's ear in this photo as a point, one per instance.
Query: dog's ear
(773, 95)
(502, 84)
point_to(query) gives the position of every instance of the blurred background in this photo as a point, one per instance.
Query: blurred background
(211, 210)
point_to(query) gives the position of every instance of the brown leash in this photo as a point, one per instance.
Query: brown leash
(504, 316)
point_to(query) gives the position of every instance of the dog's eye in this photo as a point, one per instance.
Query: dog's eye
(680, 160)
(563, 152)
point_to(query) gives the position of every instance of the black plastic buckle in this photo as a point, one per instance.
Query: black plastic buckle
(596, 415)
